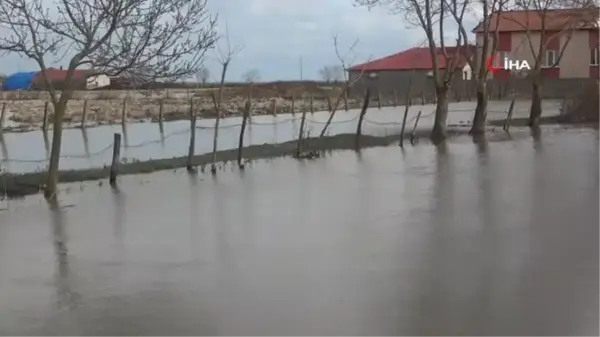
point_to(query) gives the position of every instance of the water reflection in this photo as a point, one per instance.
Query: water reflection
(67, 298)
(120, 208)
(536, 134)
(46, 143)
(462, 239)
(484, 294)
(125, 137)
(86, 142)
(3, 147)
(162, 136)
(194, 210)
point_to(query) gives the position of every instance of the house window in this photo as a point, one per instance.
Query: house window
(594, 56)
(549, 59)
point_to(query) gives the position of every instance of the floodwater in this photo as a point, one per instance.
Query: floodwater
(488, 239)
(28, 152)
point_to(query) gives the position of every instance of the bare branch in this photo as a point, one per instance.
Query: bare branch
(151, 40)
(144, 39)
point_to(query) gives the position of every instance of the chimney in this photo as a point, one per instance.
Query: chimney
(61, 68)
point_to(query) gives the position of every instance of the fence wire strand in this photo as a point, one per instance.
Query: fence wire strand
(250, 123)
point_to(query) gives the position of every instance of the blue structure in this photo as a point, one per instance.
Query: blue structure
(19, 81)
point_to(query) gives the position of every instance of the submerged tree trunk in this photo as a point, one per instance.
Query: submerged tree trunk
(480, 110)
(438, 133)
(52, 178)
(535, 113)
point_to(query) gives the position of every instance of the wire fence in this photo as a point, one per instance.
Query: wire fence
(250, 123)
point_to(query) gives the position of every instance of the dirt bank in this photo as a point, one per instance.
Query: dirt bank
(27, 114)
(17, 185)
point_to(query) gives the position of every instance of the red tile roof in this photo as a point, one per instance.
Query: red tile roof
(557, 19)
(414, 59)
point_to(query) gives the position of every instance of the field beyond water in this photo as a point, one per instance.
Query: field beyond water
(25, 109)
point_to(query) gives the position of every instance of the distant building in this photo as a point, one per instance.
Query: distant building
(19, 81)
(97, 81)
(415, 65)
(580, 58)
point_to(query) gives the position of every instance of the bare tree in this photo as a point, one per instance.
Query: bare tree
(486, 45)
(546, 23)
(224, 56)
(251, 76)
(430, 16)
(202, 76)
(154, 39)
(348, 82)
(332, 73)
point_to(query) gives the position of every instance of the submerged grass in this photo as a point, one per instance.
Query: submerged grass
(18, 185)
(22, 184)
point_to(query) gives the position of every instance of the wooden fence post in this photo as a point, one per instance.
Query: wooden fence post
(45, 120)
(114, 167)
(412, 134)
(346, 99)
(191, 149)
(84, 114)
(395, 98)
(301, 134)
(2, 116)
(499, 92)
(124, 113)
(506, 126)
(274, 108)
(293, 104)
(312, 104)
(378, 99)
(363, 111)
(161, 108)
(406, 108)
(242, 131)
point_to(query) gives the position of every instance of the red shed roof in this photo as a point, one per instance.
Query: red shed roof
(554, 19)
(414, 59)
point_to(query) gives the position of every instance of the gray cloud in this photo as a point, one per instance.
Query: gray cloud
(275, 34)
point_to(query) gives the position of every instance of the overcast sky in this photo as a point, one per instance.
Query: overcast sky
(277, 34)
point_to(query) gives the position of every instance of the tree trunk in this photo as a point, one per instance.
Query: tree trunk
(438, 133)
(52, 178)
(480, 110)
(535, 113)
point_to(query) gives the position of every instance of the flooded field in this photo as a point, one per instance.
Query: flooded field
(488, 239)
(28, 152)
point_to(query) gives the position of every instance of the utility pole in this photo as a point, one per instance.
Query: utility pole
(300, 68)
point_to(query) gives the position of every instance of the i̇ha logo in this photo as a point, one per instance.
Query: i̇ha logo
(493, 64)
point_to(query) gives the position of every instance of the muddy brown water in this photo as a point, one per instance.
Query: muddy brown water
(490, 239)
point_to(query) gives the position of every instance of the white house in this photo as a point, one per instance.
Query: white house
(97, 81)
(467, 73)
